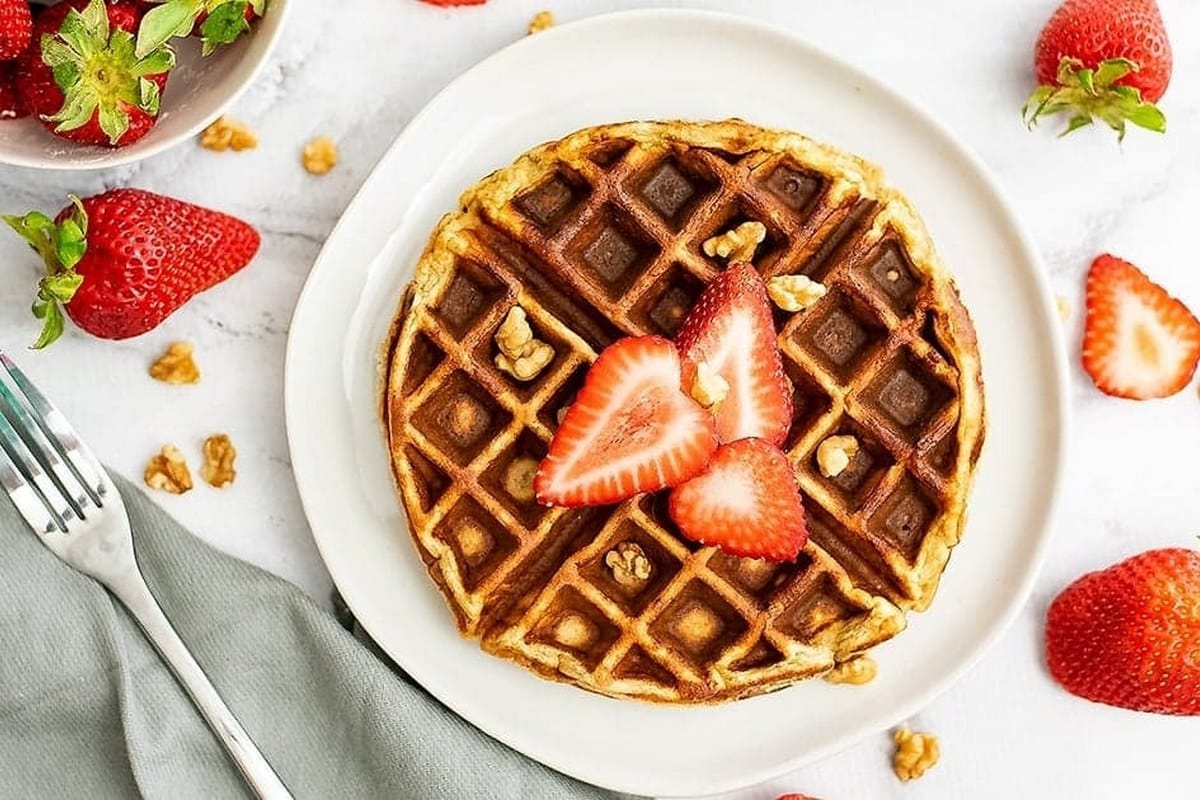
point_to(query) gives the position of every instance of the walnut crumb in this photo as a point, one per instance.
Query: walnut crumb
(893, 275)
(709, 389)
(541, 21)
(857, 671)
(320, 155)
(168, 471)
(521, 355)
(739, 244)
(835, 453)
(628, 563)
(177, 365)
(228, 134)
(795, 293)
(916, 753)
(1064, 309)
(219, 455)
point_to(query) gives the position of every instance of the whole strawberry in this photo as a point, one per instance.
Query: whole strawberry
(1129, 635)
(16, 28)
(123, 261)
(1102, 59)
(216, 22)
(83, 79)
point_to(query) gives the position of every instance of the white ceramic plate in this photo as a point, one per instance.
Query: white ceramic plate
(704, 66)
(199, 90)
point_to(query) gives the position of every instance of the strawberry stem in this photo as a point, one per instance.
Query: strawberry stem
(62, 246)
(1090, 94)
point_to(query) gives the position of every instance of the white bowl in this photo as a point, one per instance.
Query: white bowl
(199, 90)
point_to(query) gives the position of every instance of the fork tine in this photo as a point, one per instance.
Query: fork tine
(26, 498)
(59, 435)
(45, 452)
(22, 463)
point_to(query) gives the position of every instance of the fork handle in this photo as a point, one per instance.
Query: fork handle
(131, 589)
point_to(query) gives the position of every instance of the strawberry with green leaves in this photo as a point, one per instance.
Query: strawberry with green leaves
(121, 262)
(216, 22)
(1102, 59)
(83, 79)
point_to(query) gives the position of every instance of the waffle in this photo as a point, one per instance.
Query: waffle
(599, 236)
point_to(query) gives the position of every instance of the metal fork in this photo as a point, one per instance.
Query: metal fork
(68, 499)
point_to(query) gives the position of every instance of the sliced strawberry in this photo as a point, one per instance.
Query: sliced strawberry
(747, 503)
(731, 329)
(1139, 342)
(630, 430)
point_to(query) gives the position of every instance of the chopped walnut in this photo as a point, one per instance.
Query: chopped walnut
(320, 155)
(856, 671)
(176, 365)
(561, 414)
(527, 367)
(893, 275)
(1064, 309)
(228, 134)
(541, 21)
(916, 753)
(514, 336)
(219, 454)
(795, 293)
(521, 355)
(709, 388)
(738, 244)
(628, 563)
(835, 453)
(168, 471)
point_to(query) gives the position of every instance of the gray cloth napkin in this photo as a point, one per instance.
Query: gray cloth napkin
(87, 710)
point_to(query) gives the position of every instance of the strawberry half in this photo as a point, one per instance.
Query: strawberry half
(731, 329)
(630, 430)
(1129, 635)
(1138, 341)
(747, 503)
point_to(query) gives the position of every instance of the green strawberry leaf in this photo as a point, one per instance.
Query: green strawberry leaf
(162, 23)
(1089, 95)
(224, 25)
(53, 323)
(62, 246)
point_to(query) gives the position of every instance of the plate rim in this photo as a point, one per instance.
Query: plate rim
(1055, 351)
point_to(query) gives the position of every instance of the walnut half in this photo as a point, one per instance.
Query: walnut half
(168, 471)
(521, 356)
(795, 293)
(177, 365)
(738, 244)
(320, 155)
(219, 455)
(541, 21)
(856, 671)
(916, 753)
(228, 134)
(835, 454)
(629, 564)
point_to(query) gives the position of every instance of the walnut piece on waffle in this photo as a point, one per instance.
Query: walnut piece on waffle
(600, 235)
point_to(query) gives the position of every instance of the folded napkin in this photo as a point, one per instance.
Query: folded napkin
(88, 710)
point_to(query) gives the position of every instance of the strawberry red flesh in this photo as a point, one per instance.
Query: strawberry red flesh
(16, 28)
(630, 430)
(1139, 342)
(747, 503)
(732, 330)
(1129, 636)
(12, 105)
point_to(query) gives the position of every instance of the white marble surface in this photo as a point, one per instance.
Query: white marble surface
(359, 69)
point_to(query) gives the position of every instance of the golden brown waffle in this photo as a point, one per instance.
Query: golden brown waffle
(598, 236)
